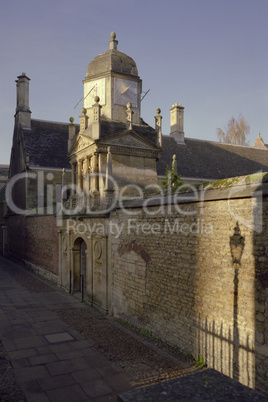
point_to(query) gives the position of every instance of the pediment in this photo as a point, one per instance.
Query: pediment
(81, 143)
(128, 140)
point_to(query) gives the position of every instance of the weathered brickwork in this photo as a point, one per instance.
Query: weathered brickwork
(191, 289)
(34, 239)
(129, 285)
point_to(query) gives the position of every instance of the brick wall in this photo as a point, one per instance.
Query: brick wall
(34, 239)
(176, 273)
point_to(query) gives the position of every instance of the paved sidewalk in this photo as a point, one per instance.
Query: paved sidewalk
(51, 360)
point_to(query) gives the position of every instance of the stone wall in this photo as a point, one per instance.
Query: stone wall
(177, 271)
(34, 240)
(193, 271)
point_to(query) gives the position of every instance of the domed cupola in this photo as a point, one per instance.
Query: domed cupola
(113, 76)
(112, 60)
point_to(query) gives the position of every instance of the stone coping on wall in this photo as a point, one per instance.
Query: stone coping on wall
(236, 187)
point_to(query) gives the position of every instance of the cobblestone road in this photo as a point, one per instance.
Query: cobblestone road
(106, 357)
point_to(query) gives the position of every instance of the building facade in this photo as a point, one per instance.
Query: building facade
(81, 212)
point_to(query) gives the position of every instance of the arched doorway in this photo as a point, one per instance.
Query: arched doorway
(79, 264)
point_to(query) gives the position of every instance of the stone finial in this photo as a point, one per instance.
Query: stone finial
(96, 124)
(129, 116)
(83, 120)
(174, 164)
(158, 126)
(96, 99)
(113, 43)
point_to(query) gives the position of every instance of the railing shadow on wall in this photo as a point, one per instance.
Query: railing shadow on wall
(223, 345)
(241, 351)
(221, 348)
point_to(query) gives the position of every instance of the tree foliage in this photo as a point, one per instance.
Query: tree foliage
(172, 180)
(236, 132)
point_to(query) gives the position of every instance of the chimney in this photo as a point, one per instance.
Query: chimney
(23, 112)
(176, 122)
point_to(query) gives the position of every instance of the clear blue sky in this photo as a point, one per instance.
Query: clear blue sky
(209, 55)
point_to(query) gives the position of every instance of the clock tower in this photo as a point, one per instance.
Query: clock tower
(113, 77)
(113, 140)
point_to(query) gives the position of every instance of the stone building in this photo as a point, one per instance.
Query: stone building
(77, 215)
(140, 153)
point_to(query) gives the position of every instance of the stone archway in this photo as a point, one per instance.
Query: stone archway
(79, 263)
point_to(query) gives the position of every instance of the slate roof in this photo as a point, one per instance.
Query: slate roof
(113, 127)
(212, 160)
(47, 144)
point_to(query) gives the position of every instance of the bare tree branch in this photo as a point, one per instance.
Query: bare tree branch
(236, 132)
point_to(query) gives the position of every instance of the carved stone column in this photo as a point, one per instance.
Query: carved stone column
(109, 186)
(79, 174)
(85, 176)
(73, 180)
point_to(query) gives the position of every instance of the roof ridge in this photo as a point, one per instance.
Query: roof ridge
(52, 122)
(218, 143)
